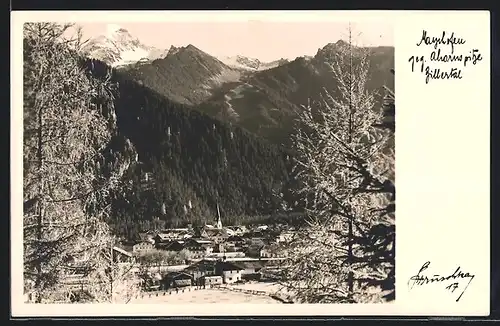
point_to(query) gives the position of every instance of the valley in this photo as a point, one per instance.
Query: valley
(131, 151)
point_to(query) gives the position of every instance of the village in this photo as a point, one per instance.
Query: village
(207, 256)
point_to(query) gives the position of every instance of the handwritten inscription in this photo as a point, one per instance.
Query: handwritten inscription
(443, 50)
(452, 281)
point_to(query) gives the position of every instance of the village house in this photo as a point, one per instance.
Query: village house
(201, 246)
(201, 268)
(217, 235)
(257, 241)
(229, 271)
(235, 240)
(172, 234)
(240, 230)
(251, 266)
(142, 246)
(161, 238)
(229, 247)
(254, 235)
(218, 248)
(151, 281)
(254, 250)
(199, 232)
(210, 280)
(184, 233)
(126, 245)
(175, 245)
(270, 251)
(177, 279)
(251, 269)
(253, 247)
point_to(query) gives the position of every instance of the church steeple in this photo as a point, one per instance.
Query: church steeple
(219, 222)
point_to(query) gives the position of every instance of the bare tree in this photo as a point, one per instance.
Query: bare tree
(65, 132)
(342, 164)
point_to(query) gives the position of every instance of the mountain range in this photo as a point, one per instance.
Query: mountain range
(211, 131)
(258, 96)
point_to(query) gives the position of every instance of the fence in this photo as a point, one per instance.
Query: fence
(172, 291)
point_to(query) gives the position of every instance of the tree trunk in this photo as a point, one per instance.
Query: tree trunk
(111, 276)
(350, 276)
(40, 207)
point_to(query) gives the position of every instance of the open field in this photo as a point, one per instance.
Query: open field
(205, 296)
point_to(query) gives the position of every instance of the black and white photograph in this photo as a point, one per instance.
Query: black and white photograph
(208, 162)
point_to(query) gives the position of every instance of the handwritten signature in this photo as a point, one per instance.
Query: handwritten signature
(419, 279)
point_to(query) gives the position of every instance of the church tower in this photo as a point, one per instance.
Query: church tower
(219, 222)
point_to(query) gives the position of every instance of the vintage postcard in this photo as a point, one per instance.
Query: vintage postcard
(174, 161)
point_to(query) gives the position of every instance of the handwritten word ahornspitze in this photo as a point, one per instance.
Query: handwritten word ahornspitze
(438, 56)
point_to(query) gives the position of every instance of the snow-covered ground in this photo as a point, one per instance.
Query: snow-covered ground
(269, 287)
(204, 296)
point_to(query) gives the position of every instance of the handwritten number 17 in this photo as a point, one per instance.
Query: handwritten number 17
(414, 59)
(452, 287)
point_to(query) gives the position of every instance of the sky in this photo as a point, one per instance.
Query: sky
(263, 40)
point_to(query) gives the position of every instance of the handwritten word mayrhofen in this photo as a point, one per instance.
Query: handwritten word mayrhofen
(442, 40)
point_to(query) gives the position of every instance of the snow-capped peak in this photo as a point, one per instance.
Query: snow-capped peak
(112, 29)
(240, 62)
(118, 47)
(246, 63)
(121, 35)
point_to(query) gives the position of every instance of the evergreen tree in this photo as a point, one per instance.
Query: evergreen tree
(68, 122)
(340, 158)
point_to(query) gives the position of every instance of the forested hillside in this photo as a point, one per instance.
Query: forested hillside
(189, 162)
(266, 102)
